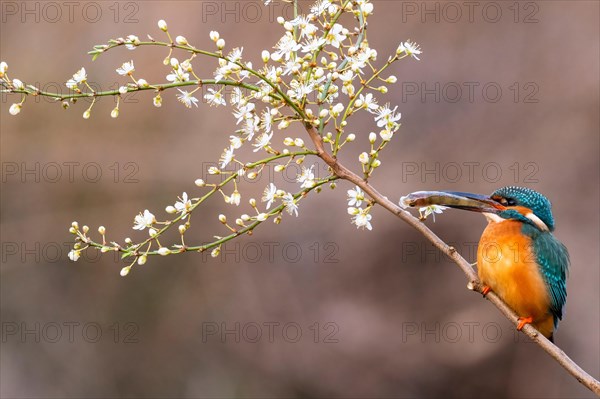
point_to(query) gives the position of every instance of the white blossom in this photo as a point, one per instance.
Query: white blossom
(184, 205)
(285, 47)
(355, 197)
(361, 217)
(226, 157)
(336, 35)
(307, 177)
(269, 194)
(290, 204)
(186, 98)
(410, 48)
(262, 141)
(215, 98)
(144, 220)
(126, 69)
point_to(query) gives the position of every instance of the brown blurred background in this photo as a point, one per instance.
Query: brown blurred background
(341, 313)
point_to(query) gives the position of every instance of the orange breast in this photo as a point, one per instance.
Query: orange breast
(507, 264)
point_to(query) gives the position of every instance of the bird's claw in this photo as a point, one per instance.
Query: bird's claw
(523, 321)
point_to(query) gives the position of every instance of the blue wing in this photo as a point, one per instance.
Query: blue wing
(553, 258)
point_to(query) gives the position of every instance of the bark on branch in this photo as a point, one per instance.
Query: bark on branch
(474, 284)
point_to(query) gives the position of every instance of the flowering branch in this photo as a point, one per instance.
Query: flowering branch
(319, 75)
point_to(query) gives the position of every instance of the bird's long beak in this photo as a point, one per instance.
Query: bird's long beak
(453, 199)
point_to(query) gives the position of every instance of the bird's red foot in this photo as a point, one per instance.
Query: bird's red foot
(523, 321)
(485, 290)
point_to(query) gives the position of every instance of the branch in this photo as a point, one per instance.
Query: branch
(474, 284)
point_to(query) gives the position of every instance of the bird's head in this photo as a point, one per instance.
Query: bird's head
(524, 202)
(507, 203)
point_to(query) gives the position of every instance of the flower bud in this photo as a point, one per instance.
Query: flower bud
(372, 137)
(164, 251)
(162, 25)
(351, 137)
(142, 260)
(220, 44)
(170, 209)
(222, 219)
(3, 69)
(142, 83)
(102, 230)
(15, 109)
(199, 183)
(18, 84)
(364, 158)
(236, 198)
(114, 113)
(157, 101)
(182, 228)
(181, 40)
(266, 56)
(261, 217)
(214, 35)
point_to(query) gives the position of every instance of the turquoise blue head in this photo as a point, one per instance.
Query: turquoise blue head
(516, 198)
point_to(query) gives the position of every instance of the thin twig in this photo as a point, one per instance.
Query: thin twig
(474, 284)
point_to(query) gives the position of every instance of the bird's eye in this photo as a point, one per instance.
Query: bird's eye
(511, 202)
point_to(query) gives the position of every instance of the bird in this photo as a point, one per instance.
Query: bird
(518, 256)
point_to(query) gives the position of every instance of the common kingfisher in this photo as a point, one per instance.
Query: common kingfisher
(518, 257)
